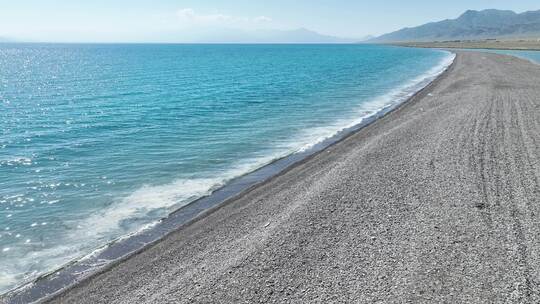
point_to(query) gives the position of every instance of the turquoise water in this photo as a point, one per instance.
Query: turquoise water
(530, 55)
(99, 141)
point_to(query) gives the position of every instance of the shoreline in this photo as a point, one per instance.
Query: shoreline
(49, 285)
(436, 201)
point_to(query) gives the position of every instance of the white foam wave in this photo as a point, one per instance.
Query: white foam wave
(16, 161)
(32, 262)
(161, 198)
(396, 96)
(146, 199)
(8, 278)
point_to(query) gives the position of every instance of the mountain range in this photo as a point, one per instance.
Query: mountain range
(471, 25)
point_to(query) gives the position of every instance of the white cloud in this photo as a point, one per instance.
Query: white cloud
(188, 14)
(189, 17)
(262, 19)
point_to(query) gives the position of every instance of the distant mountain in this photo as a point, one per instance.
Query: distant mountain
(301, 35)
(365, 38)
(224, 35)
(471, 25)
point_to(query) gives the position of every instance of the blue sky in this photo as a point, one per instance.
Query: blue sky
(168, 20)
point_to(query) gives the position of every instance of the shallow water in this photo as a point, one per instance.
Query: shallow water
(530, 55)
(98, 141)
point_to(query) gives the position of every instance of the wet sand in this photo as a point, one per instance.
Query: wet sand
(439, 201)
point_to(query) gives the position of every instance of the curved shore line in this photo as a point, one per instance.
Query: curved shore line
(437, 202)
(49, 285)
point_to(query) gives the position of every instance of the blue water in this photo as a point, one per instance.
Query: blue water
(98, 141)
(530, 55)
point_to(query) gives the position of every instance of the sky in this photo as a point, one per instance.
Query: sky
(183, 21)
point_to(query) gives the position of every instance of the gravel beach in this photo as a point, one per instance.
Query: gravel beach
(437, 202)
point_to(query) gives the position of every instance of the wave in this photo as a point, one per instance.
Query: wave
(16, 161)
(151, 201)
(313, 136)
